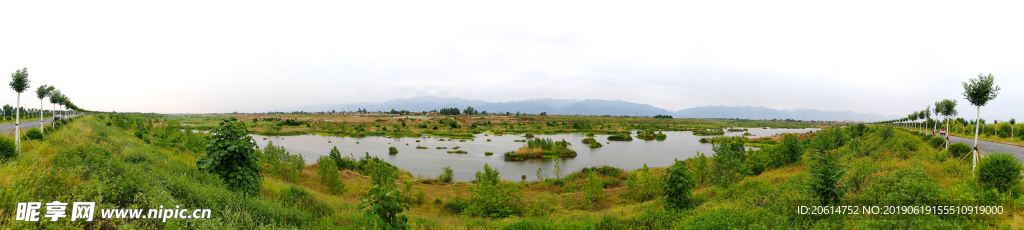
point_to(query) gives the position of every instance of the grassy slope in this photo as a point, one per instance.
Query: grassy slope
(77, 162)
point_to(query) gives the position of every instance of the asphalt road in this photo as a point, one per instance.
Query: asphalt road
(987, 147)
(6, 128)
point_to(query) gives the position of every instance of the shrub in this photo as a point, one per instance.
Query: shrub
(886, 132)
(593, 192)
(7, 148)
(678, 184)
(728, 162)
(381, 209)
(488, 176)
(542, 205)
(936, 142)
(282, 163)
(34, 134)
(446, 175)
(392, 150)
(701, 170)
(492, 197)
(603, 170)
(791, 148)
(959, 150)
(344, 163)
(327, 170)
(620, 137)
(825, 168)
(232, 155)
(858, 130)
(907, 186)
(999, 171)
(592, 142)
(297, 196)
(383, 202)
(650, 135)
(643, 185)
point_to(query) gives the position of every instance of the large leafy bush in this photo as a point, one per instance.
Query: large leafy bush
(999, 171)
(232, 155)
(678, 184)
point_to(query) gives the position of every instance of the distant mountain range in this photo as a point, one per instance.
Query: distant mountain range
(593, 107)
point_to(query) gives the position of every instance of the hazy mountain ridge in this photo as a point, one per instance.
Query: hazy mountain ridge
(593, 107)
(748, 112)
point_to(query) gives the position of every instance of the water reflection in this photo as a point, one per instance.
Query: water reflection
(428, 162)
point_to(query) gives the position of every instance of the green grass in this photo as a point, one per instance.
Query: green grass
(87, 160)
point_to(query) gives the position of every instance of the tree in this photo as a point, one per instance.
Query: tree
(938, 111)
(7, 109)
(728, 161)
(383, 203)
(42, 92)
(923, 114)
(19, 83)
(948, 110)
(327, 170)
(232, 154)
(979, 92)
(1012, 122)
(469, 111)
(678, 183)
(55, 97)
(825, 168)
(913, 117)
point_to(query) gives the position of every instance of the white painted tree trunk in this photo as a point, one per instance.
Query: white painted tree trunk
(974, 164)
(947, 133)
(41, 128)
(17, 125)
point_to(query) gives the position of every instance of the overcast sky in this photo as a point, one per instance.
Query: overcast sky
(887, 57)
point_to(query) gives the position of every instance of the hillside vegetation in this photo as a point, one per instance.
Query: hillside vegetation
(135, 161)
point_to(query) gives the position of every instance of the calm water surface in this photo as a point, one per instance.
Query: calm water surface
(627, 155)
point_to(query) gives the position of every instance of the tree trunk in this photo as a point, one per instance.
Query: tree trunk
(17, 125)
(947, 134)
(41, 116)
(974, 164)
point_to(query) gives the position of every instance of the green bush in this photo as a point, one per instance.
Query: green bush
(791, 148)
(701, 170)
(392, 150)
(620, 137)
(728, 163)
(344, 163)
(593, 192)
(886, 132)
(907, 186)
(643, 185)
(446, 175)
(327, 170)
(7, 148)
(959, 150)
(297, 196)
(825, 168)
(592, 142)
(678, 186)
(381, 209)
(232, 155)
(542, 205)
(936, 142)
(491, 197)
(383, 203)
(999, 171)
(282, 163)
(34, 134)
